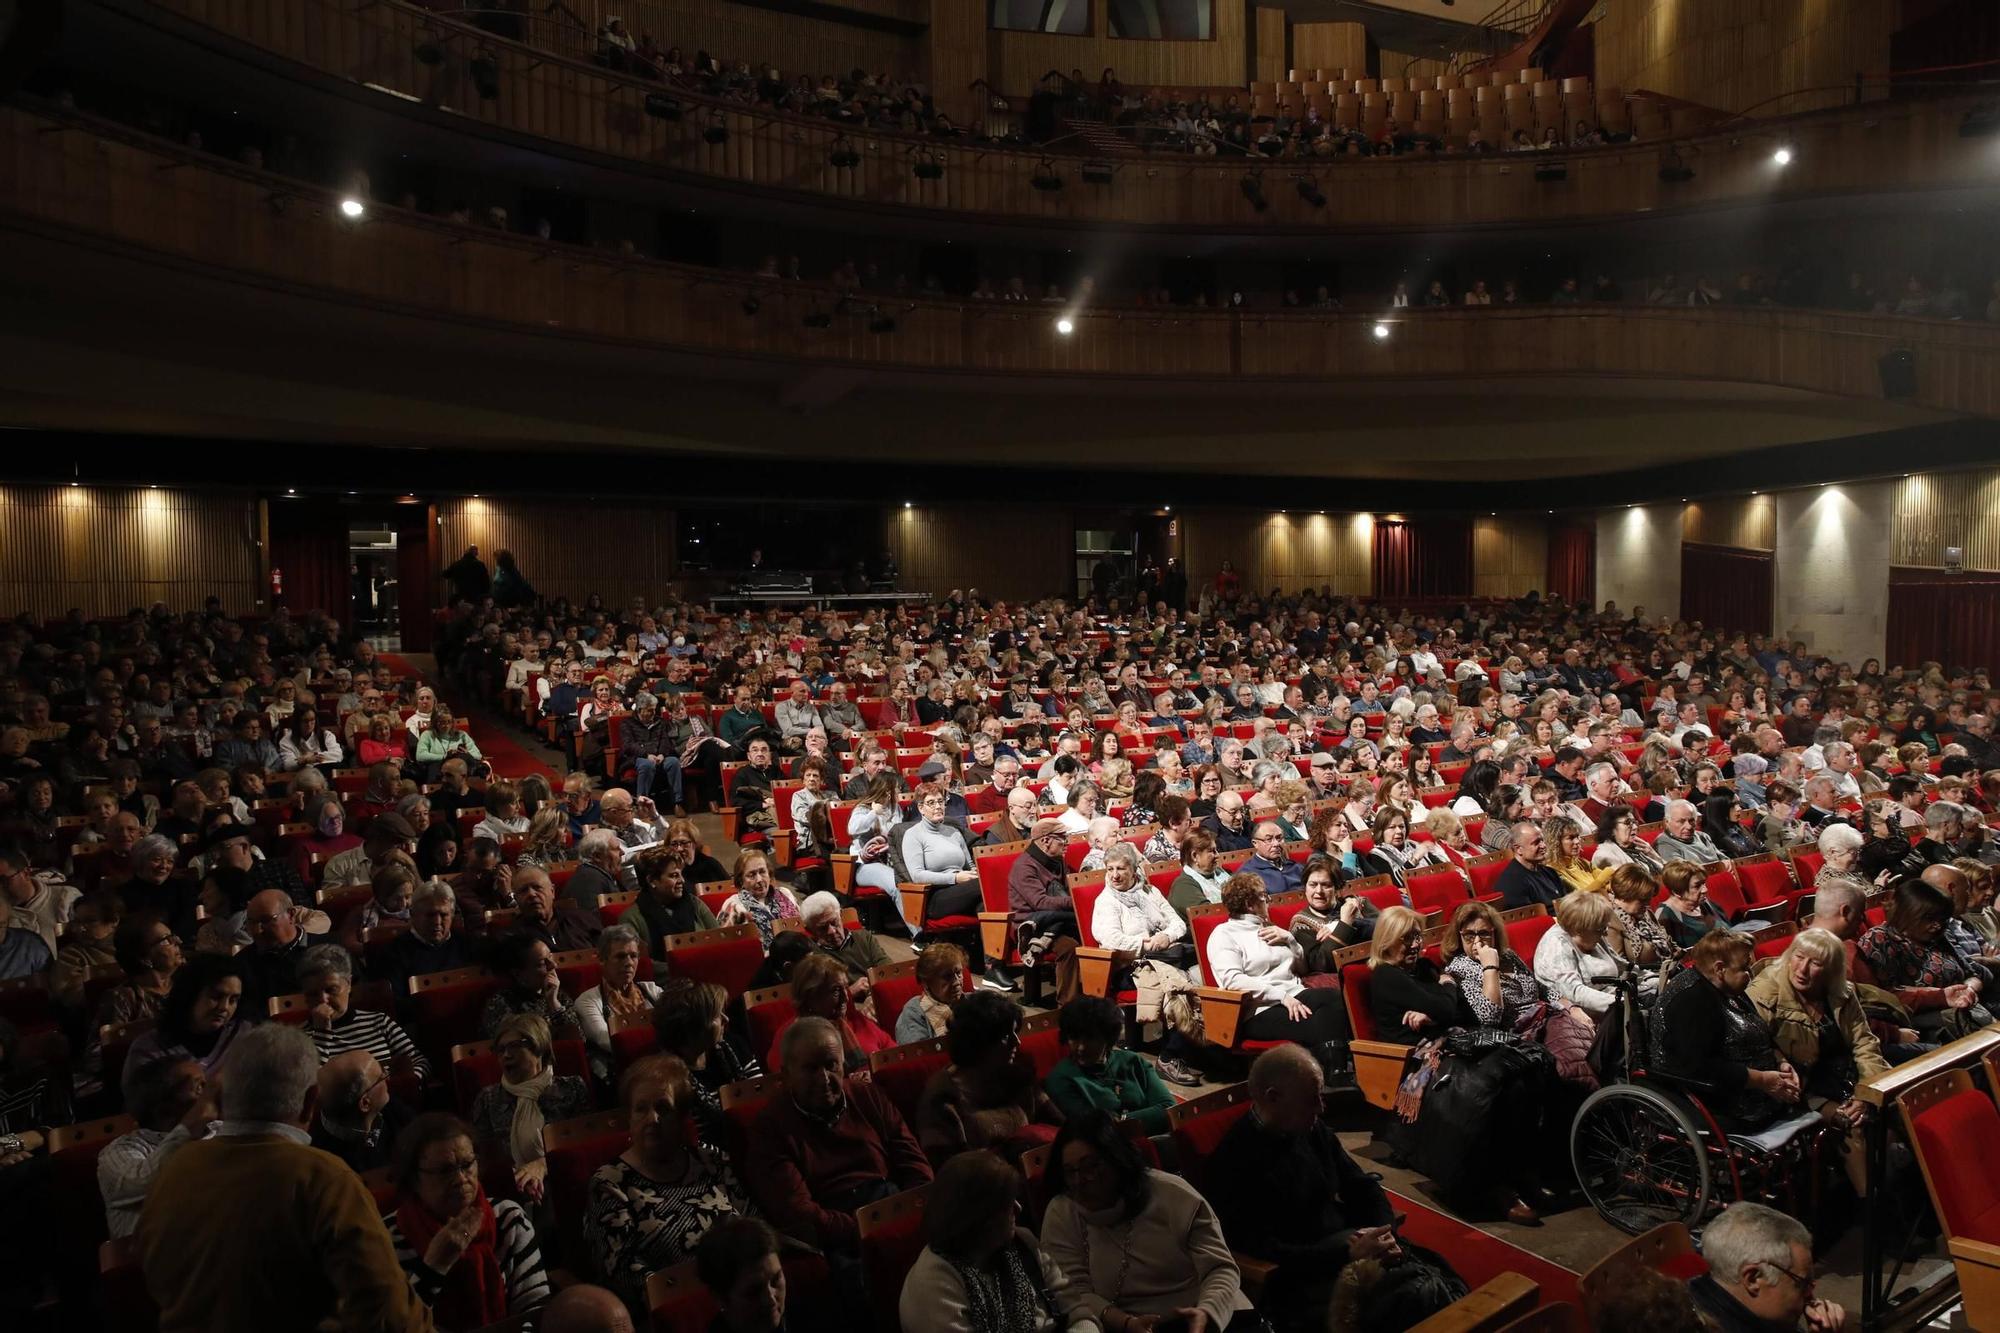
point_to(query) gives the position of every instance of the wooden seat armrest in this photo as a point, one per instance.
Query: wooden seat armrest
(1223, 1013)
(843, 873)
(915, 900)
(1252, 1271)
(1983, 1253)
(783, 841)
(1491, 1304)
(1378, 1070)
(996, 935)
(1096, 967)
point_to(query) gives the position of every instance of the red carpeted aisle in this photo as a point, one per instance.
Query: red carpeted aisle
(1479, 1256)
(510, 759)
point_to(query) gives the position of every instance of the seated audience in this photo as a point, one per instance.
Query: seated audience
(1911, 955)
(689, 1023)
(980, 1270)
(529, 984)
(620, 999)
(737, 1260)
(510, 1114)
(651, 1207)
(1759, 1276)
(199, 1019)
(1138, 1244)
(300, 1243)
(1097, 1074)
(326, 985)
(473, 1262)
(1248, 953)
(358, 1119)
(174, 1105)
(940, 983)
(1705, 1028)
(666, 906)
(988, 1096)
(759, 898)
(820, 990)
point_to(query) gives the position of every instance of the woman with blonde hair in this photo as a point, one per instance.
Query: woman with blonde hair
(1818, 1024)
(1561, 836)
(1448, 836)
(546, 842)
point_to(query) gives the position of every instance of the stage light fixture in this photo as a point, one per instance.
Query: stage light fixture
(1782, 158)
(485, 71)
(662, 107)
(1310, 192)
(1045, 177)
(1065, 326)
(1253, 190)
(352, 209)
(1381, 332)
(842, 154)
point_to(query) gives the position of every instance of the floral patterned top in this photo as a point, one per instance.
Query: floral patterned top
(1900, 963)
(1520, 994)
(636, 1225)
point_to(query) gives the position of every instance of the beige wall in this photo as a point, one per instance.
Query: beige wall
(1737, 55)
(1832, 567)
(108, 549)
(1639, 559)
(1008, 551)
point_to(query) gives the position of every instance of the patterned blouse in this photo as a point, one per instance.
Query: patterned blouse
(1520, 993)
(636, 1225)
(1900, 963)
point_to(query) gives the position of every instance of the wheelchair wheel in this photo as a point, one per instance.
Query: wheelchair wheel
(1640, 1159)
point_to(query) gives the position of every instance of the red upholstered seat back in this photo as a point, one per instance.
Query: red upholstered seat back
(993, 871)
(902, 1079)
(1965, 1184)
(1202, 923)
(889, 1250)
(898, 989)
(1771, 948)
(1485, 872)
(1042, 1044)
(1764, 880)
(573, 1157)
(1195, 1139)
(766, 1021)
(1355, 980)
(729, 963)
(1084, 898)
(1808, 865)
(444, 1016)
(629, 1044)
(1437, 891)
(1724, 891)
(1523, 936)
(479, 1069)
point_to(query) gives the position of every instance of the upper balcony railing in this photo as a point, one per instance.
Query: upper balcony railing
(564, 104)
(83, 181)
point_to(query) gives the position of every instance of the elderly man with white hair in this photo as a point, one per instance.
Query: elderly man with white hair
(1944, 825)
(858, 950)
(600, 858)
(1683, 838)
(1600, 789)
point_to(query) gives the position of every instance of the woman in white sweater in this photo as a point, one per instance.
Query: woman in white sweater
(982, 1272)
(1247, 953)
(1131, 915)
(1574, 961)
(1138, 1244)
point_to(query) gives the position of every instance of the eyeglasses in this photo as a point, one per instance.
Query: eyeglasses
(1805, 1283)
(1483, 933)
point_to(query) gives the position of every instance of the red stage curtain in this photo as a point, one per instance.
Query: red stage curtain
(1573, 564)
(1428, 558)
(1726, 588)
(1953, 619)
(309, 549)
(417, 584)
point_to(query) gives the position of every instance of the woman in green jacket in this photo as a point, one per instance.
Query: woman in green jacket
(1097, 1075)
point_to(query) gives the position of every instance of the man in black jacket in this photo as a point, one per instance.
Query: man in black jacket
(1527, 880)
(1285, 1191)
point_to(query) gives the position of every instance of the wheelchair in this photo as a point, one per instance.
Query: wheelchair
(1646, 1149)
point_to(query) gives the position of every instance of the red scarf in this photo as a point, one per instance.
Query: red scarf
(474, 1293)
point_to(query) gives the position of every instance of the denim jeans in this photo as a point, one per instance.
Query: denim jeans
(648, 770)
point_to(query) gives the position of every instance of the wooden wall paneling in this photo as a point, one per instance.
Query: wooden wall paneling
(569, 548)
(1021, 58)
(1510, 555)
(954, 49)
(1016, 552)
(1403, 65)
(106, 550)
(1939, 509)
(1275, 550)
(1328, 47)
(1272, 61)
(1749, 522)
(1763, 57)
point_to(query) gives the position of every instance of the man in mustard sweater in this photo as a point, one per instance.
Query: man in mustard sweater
(256, 1231)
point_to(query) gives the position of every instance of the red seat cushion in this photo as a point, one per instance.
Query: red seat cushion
(1965, 1185)
(1523, 936)
(1437, 891)
(729, 964)
(903, 1082)
(1195, 1139)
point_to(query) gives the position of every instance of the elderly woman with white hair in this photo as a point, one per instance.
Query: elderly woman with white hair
(1817, 1022)
(1840, 846)
(620, 999)
(326, 983)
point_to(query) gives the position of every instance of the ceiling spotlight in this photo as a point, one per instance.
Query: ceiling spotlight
(1783, 157)
(1065, 326)
(1381, 332)
(1253, 190)
(351, 209)
(1310, 192)
(1045, 177)
(842, 154)
(906, 504)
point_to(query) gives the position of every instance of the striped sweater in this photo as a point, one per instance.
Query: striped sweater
(514, 1244)
(376, 1033)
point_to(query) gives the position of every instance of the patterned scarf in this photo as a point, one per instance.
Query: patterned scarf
(1005, 1295)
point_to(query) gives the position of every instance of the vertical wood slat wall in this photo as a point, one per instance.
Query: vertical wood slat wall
(1736, 55)
(1014, 552)
(1939, 509)
(1510, 555)
(107, 550)
(1327, 47)
(569, 548)
(1289, 552)
(1019, 59)
(1748, 522)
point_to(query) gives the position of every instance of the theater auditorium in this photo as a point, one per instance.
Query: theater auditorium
(999, 666)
